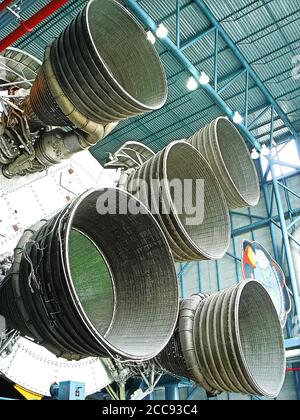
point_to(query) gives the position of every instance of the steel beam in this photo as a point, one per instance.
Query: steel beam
(172, 392)
(259, 117)
(199, 277)
(218, 275)
(183, 268)
(148, 22)
(209, 15)
(269, 207)
(192, 393)
(253, 216)
(286, 240)
(292, 224)
(289, 190)
(251, 221)
(237, 259)
(216, 59)
(286, 164)
(254, 226)
(247, 99)
(286, 176)
(261, 224)
(180, 277)
(232, 81)
(192, 41)
(178, 23)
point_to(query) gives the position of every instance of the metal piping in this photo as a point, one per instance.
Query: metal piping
(93, 131)
(5, 4)
(88, 88)
(110, 274)
(29, 24)
(180, 356)
(230, 341)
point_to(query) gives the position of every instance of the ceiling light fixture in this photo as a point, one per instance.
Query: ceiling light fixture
(151, 37)
(192, 84)
(204, 78)
(162, 31)
(237, 118)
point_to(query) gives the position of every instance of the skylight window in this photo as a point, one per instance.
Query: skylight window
(287, 153)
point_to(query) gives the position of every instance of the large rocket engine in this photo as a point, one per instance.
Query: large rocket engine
(99, 71)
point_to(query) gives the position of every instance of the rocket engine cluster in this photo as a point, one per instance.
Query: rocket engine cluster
(94, 283)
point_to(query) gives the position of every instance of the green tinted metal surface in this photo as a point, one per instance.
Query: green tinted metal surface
(92, 280)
